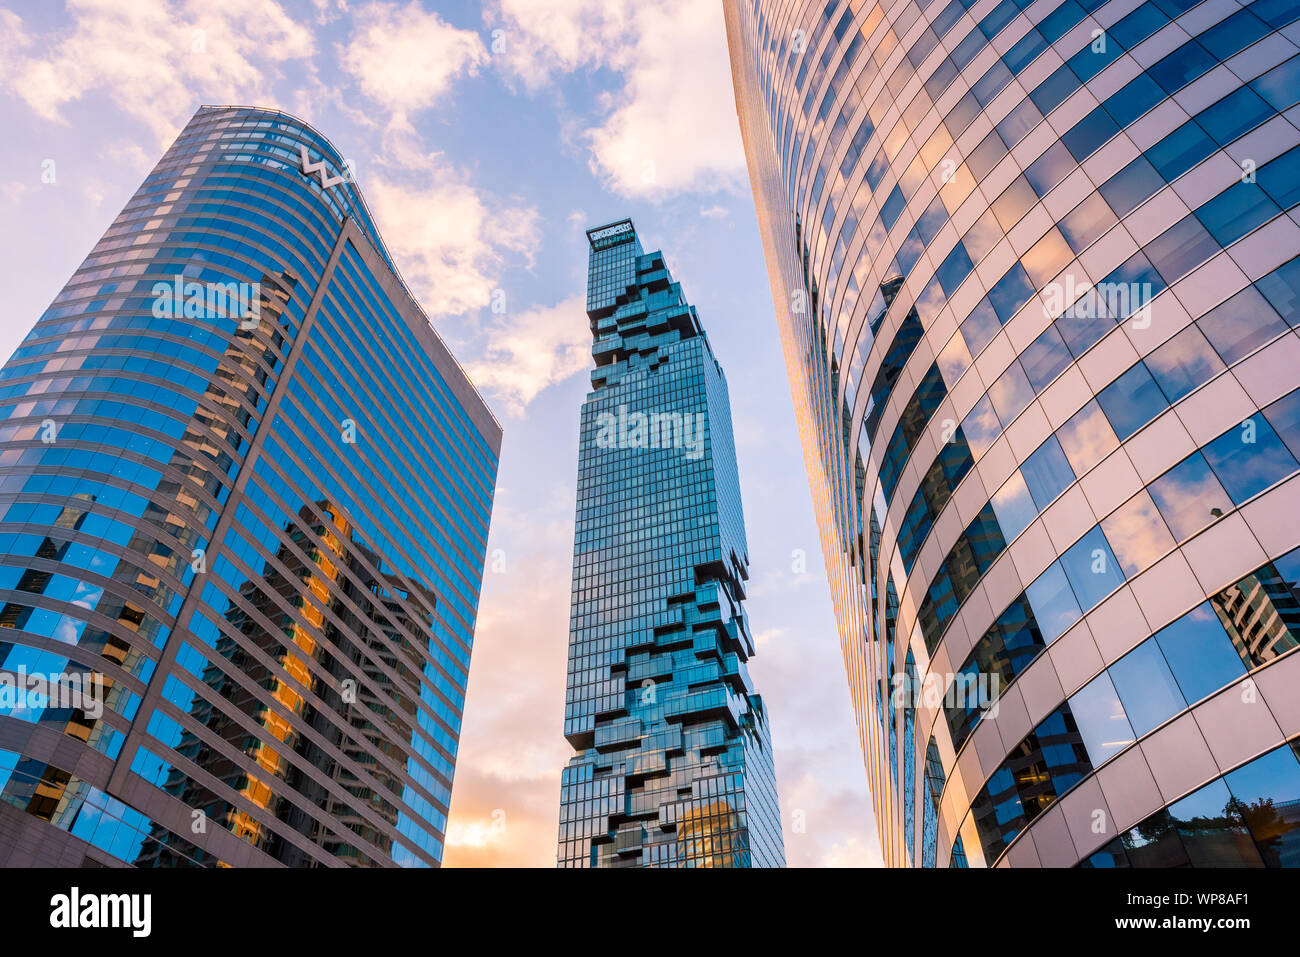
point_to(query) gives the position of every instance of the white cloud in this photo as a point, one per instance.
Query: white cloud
(675, 128)
(450, 239)
(406, 59)
(672, 128)
(543, 37)
(449, 242)
(156, 60)
(532, 350)
(852, 853)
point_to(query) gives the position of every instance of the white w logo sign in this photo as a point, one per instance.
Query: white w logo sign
(308, 167)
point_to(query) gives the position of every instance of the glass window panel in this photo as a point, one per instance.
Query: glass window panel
(955, 268)
(961, 115)
(1015, 201)
(1013, 506)
(1019, 122)
(1134, 99)
(1233, 34)
(1081, 325)
(1267, 791)
(1054, 606)
(1131, 186)
(892, 207)
(932, 220)
(1010, 292)
(1101, 718)
(1004, 651)
(1155, 843)
(1280, 85)
(1281, 288)
(1180, 249)
(1054, 90)
(1212, 829)
(1276, 13)
(991, 83)
(1260, 612)
(1087, 438)
(1089, 133)
(980, 327)
(1026, 50)
(1137, 533)
(1087, 221)
(1249, 458)
(1139, 25)
(1063, 750)
(1284, 416)
(981, 427)
(1092, 568)
(1182, 66)
(1185, 362)
(1181, 150)
(1280, 178)
(1147, 688)
(1111, 856)
(954, 360)
(1047, 472)
(1045, 358)
(1234, 114)
(980, 239)
(1011, 392)
(1199, 653)
(1239, 326)
(1132, 400)
(1189, 496)
(1137, 274)
(1047, 257)
(1236, 211)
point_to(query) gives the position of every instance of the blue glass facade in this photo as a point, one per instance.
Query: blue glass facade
(674, 758)
(1035, 268)
(246, 488)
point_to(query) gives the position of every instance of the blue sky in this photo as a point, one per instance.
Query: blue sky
(486, 138)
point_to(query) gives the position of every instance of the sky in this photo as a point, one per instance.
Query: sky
(486, 137)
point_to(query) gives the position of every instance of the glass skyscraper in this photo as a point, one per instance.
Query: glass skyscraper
(1034, 265)
(673, 764)
(244, 499)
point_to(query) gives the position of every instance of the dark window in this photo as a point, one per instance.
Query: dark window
(1132, 400)
(1249, 458)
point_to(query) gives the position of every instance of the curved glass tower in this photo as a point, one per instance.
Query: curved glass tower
(1034, 268)
(673, 755)
(244, 499)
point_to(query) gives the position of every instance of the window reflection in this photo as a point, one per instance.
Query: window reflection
(1087, 438)
(1102, 720)
(1189, 496)
(1137, 533)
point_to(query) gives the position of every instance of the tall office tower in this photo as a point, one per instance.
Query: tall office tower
(1034, 268)
(244, 501)
(674, 759)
